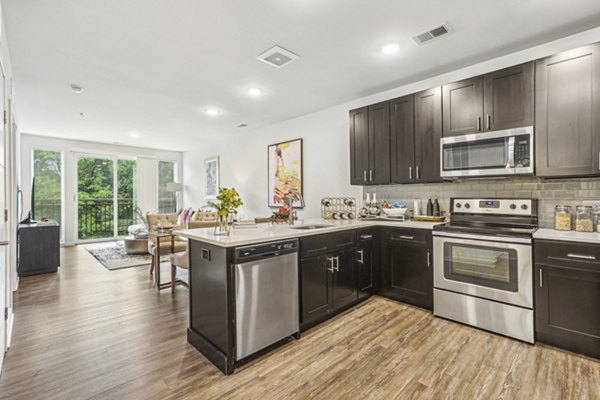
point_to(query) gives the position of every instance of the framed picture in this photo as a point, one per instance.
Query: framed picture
(285, 171)
(211, 177)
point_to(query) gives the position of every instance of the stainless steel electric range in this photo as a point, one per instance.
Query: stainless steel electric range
(483, 265)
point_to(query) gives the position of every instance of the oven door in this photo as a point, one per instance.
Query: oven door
(487, 267)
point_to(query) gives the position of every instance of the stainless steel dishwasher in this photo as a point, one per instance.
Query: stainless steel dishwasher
(266, 295)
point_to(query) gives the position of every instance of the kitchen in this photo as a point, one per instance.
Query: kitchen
(518, 254)
(398, 199)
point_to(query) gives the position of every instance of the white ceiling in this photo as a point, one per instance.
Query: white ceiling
(153, 66)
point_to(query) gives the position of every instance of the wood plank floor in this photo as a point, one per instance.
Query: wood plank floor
(87, 333)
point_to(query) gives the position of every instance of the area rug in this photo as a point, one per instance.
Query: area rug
(113, 256)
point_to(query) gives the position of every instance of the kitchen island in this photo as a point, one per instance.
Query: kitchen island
(328, 250)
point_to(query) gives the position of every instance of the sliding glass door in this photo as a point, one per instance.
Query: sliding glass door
(105, 196)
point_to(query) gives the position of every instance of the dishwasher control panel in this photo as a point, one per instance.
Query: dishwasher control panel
(266, 249)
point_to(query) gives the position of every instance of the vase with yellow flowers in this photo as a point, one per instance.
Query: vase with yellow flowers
(228, 200)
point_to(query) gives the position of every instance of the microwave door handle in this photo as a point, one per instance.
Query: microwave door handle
(511, 152)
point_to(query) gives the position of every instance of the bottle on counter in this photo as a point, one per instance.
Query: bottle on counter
(436, 208)
(562, 218)
(429, 208)
(417, 207)
(584, 220)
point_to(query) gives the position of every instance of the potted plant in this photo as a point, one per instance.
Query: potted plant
(228, 202)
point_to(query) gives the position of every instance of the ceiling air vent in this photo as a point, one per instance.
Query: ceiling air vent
(278, 57)
(432, 34)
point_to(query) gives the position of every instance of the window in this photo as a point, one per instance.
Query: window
(167, 173)
(47, 189)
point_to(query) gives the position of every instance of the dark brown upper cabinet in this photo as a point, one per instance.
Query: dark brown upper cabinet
(359, 146)
(370, 145)
(416, 129)
(463, 107)
(499, 100)
(428, 132)
(402, 139)
(508, 98)
(567, 118)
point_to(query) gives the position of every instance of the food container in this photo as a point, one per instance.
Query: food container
(562, 218)
(584, 220)
(394, 212)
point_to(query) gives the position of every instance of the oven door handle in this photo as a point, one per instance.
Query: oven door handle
(502, 239)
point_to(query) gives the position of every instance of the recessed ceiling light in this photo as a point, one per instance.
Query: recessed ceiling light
(254, 92)
(134, 135)
(212, 112)
(390, 48)
(76, 88)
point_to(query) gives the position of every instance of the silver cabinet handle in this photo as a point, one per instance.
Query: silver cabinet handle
(428, 259)
(330, 259)
(541, 279)
(362, 256)
(403, 237)
(366, 237)
(418, 173)
(410, 173)
(488, 121)
(370, 175)
(337, 264)
(581, 256)
(365, 175)
(479, 124)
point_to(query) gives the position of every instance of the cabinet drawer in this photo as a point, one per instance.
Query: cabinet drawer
(416, 237)
(325, 243)
(366, 236)
(565, 254)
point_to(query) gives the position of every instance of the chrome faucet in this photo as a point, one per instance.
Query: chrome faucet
(294, 196)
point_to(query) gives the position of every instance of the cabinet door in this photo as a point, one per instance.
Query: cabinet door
(364, 266)
(359, 146)
(316, 287)
(344, 278)
(379, 143)
(508, 98)
(428, 132)
(567, 118)
(567, 301)
(463, 107)
(402, 140)
(408, 275)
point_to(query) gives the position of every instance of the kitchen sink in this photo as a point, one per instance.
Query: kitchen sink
(311, 227)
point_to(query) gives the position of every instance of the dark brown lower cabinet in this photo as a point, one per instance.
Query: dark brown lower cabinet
(407, 270)
(567, 296)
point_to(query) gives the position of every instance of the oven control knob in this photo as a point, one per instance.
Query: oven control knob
(467, 205)
(513, 206)
(458, 205)
(524, 207)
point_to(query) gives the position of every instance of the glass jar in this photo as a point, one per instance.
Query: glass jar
(584, 220)
(562, 218)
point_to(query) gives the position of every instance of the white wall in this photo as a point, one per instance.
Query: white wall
(69, 148)
(243, 156)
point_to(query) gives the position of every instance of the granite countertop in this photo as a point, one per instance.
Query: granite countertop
(267, 232)
(569, 236)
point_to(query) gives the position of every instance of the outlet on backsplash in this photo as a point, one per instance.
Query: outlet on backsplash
(594, 203)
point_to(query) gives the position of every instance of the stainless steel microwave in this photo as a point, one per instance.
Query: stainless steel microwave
(499, 153)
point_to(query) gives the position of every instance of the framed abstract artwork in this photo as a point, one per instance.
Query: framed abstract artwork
(285, 171)
(211, 176)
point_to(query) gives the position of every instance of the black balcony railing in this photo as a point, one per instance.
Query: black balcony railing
(48, 208)
(96, 217)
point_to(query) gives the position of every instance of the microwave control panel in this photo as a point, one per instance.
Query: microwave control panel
(522, 151)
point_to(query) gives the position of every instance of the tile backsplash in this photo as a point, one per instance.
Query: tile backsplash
(548, 192)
